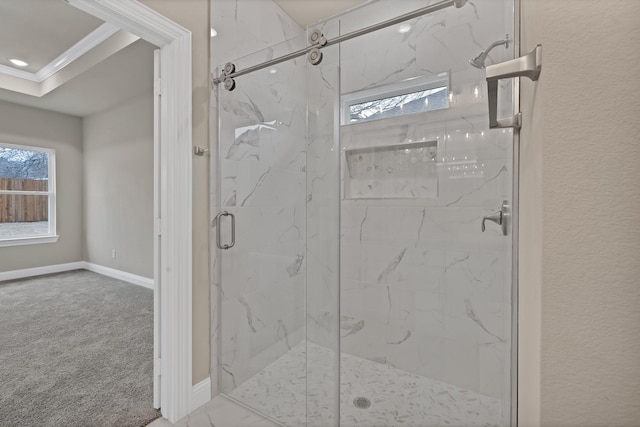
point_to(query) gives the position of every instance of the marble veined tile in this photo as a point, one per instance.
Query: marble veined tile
(284, 392)
(222, 412)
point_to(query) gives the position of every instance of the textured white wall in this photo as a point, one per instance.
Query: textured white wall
(587, 254)
(39, 128)
(118, 186)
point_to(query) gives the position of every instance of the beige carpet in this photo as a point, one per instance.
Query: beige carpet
(76, 350)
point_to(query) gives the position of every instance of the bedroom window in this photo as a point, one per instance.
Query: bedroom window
(27, 195)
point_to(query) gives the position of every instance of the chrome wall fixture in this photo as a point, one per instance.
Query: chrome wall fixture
(529, 66)
(317, 40)
(200, 151)
(478, 61)
(500, 217)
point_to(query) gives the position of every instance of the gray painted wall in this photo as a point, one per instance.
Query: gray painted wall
(118, 187)
(40, 128)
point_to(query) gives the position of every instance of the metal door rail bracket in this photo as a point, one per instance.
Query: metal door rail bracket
(529, 66)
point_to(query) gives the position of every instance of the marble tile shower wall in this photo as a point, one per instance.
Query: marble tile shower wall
(422, 289)
(258, 286)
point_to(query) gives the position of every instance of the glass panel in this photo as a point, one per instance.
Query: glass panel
(21, 169)
(262, 167)
(425, 295)
(23, 216)
(323, 240)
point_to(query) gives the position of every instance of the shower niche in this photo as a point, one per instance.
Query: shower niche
(406, 170)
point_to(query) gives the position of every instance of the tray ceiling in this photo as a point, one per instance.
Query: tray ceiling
(38, 31)
(79, 65)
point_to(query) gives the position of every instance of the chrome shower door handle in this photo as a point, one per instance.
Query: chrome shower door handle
(219, 233)
(501, 218)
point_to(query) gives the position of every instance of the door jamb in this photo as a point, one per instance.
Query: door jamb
(175, 225)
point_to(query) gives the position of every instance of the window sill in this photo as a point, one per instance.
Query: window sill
(19, 241)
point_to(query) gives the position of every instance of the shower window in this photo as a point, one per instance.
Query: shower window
(412, 96)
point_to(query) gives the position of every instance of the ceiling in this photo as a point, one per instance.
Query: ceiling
(41, 32)
(306, 12)
(37, 31)
(124, 75)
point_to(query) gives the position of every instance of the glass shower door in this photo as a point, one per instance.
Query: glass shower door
(262, 162)
(361, 288)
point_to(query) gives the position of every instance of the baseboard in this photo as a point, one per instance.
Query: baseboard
(120, 275)
(80, 265)
(201, 393)
(39, 271)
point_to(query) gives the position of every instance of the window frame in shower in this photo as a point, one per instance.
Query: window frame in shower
(405, 87)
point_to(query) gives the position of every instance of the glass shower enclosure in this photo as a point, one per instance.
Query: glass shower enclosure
(361, 275)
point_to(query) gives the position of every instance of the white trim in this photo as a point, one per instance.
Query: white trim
(53, 197)
(93, 39)
(201, 393)
(39, 271)
(120, 275)
(157, 177)
(136, 18)
(134, 279)
(24, 193)
(21, 241)
(20, 74)
(176, 205)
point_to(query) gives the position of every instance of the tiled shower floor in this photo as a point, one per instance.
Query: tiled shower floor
(397, 397)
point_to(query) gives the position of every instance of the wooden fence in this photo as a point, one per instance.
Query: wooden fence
(23, 208)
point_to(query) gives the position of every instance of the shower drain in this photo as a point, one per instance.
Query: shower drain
(361, 402)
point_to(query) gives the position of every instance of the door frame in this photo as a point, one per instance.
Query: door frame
(173, 199)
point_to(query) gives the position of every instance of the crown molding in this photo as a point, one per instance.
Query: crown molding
(135, 18)
(93, 39)
(96, 37)
(20, 74)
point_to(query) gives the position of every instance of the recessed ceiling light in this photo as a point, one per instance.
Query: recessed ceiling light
(18, 62)
(213, 33)
(404, 28)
